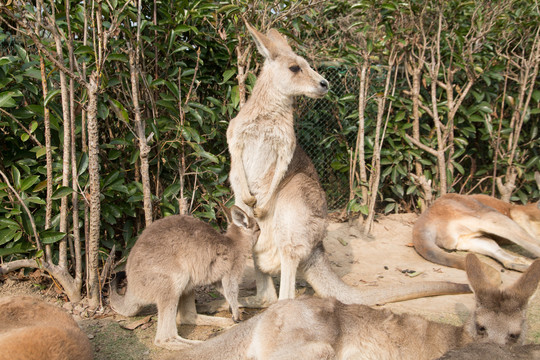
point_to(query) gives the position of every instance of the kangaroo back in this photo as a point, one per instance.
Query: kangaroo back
(33, 330)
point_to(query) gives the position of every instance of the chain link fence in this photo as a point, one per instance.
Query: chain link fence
(326, 130)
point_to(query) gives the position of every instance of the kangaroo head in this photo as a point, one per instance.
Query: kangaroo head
(240, 224)
(500, 313)
(288, 73)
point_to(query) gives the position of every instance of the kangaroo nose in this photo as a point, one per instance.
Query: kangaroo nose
(324, 84)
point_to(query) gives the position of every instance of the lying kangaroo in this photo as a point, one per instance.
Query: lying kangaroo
(274, 179)
(472, 223)
(325, 328)
(494, 352)
(174, 255)
(31, 329)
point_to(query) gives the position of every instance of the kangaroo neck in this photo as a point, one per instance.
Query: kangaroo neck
(267, 101)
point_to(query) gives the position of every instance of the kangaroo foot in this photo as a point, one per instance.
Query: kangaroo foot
(208, 320)
(175, 343)
(517, 263)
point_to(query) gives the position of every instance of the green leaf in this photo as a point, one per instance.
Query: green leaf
(61, 192)
(51, 95)
(227, 75)
(10, 223)
(6, 100)
(28, 182)
(171, 190)
(50, 236)
(17, 249)
(16, 177)
(7, 235)
(120, 110)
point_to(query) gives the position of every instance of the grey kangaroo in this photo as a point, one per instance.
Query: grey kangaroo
(174, 255)
(325, 328)
(273, 179)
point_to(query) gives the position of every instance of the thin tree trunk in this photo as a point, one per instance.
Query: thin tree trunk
(143, 146)
(359, 152)
(95, 204)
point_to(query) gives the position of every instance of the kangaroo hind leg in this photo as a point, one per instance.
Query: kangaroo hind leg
(485, 246)
(167, 305)
(187, 314)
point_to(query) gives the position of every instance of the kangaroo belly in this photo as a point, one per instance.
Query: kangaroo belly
(266, 253)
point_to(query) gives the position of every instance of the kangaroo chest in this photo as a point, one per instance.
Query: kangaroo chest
(266, 143)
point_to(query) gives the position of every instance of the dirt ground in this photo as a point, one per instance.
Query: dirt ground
(362, 261)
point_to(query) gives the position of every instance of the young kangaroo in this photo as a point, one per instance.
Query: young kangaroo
(472, 223)
(174, 255)
(325, 328)
(34, 330)
(275, 180)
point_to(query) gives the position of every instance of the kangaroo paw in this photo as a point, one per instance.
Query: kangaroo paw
(249, 200)
(259, 213)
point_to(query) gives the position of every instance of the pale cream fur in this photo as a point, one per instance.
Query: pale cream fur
(31, 329)
(174, 255)
(273, 179)
(325, 328)
(473, 223)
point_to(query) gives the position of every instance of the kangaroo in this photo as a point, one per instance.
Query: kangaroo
(273, 179)
(472, 223)
(494, 352)
(34, 330)
(174, 255)
(325, 328)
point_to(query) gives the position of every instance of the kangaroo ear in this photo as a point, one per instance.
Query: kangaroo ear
(265, 44)
(526, 285)
(239, 217)
(279, 40)
(482, 277)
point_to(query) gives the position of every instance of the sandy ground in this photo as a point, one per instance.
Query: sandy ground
(362, 261)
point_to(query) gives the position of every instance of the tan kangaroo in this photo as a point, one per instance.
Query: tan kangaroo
(31, 329)
(325, 328)
(494, 352)
(174, 255)
(275, 180)
(473, 223)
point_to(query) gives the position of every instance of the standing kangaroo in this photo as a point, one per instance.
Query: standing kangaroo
(31, 329)
(173, 256)
(325, 328)
(471, 223)
(273, 179)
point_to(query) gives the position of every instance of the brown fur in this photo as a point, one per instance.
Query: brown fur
(31, 329)
(273, 179)
(473, 223)
(325, 328)
(173, 256)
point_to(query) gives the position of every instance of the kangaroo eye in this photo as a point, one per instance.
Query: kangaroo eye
(514, 337)
(295, 68)
(480, 330)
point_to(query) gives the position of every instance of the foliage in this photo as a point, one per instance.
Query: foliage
(335, 35)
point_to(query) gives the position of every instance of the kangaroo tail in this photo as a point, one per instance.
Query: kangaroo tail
(233, 344)
(125, 305)
(424, 243)
(326, 282)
